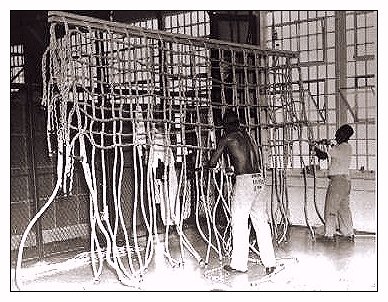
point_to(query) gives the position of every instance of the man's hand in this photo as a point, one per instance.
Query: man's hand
(320, 154)
(208, 166)
(229, 170)
(322, 142)
(205, 166)
(312, 145)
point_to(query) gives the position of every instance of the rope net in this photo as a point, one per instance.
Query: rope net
(119, 96)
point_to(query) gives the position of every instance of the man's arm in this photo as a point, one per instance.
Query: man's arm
(254, 153)
(217, 153)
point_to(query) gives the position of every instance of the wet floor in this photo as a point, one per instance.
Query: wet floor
(303, 265)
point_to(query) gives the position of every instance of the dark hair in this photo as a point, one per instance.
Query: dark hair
(345, 131)
(230, 119)
(159, 125)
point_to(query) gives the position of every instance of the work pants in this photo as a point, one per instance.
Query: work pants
(337, 210)
(246, 202)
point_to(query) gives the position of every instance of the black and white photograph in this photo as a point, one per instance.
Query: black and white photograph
(193, 150)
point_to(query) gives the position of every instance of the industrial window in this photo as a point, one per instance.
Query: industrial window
(193, 64)
(142, 53)
(359, 92)
(148, 24)
(312, 33)
(192, 23)
(17, 66)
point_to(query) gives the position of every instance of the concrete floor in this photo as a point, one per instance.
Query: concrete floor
(306, 266)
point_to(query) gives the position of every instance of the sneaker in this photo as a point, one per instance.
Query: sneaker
(270, 270)
(349, 238)
(232, 270)
(326, 238)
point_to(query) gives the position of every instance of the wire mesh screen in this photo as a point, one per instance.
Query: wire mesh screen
(141, 110)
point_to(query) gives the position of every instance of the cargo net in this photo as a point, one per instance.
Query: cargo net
(119, 96)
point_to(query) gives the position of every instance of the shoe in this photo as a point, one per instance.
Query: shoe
(326, 238)
(270, 270)
(232, 270)
(349, 238)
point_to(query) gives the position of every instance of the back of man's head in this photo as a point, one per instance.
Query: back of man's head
(230, 121)
(344, 133)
